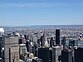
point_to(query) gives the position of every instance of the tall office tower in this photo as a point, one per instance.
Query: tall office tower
(25, 36)
(22, 49)
(73, 42)
(46, 44)
(1, 39)
(1, 43)
(66, 56)
(42, 39)
(56, 52)
(50, 52)
(44, 54)
(0, 49)
(78, 54)
(2, 53)
(31, 45)
(35, 49)
(64, 42)
(14, 54)
(34, 38)
(27, 45)
(11, 49)
(38, 42)
(57, 36)
(51, 42)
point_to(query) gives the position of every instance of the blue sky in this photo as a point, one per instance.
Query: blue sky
(41, 12)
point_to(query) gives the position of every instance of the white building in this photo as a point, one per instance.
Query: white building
(1, 31)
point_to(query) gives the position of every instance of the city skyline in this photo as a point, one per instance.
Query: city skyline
(41, 12)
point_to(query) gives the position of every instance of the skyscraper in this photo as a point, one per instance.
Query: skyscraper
(27, 45)
(14, 54)
(1, 43)
(51, 42)
(22, 48)
(56, 52)
(11, 49)
(78, 54)
(66, 56)
(57, 36)
(73, 42)
(1, 32)
(42, 40)
(45, 54)
(64, 42)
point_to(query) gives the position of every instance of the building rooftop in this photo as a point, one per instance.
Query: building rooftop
(1, 30)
